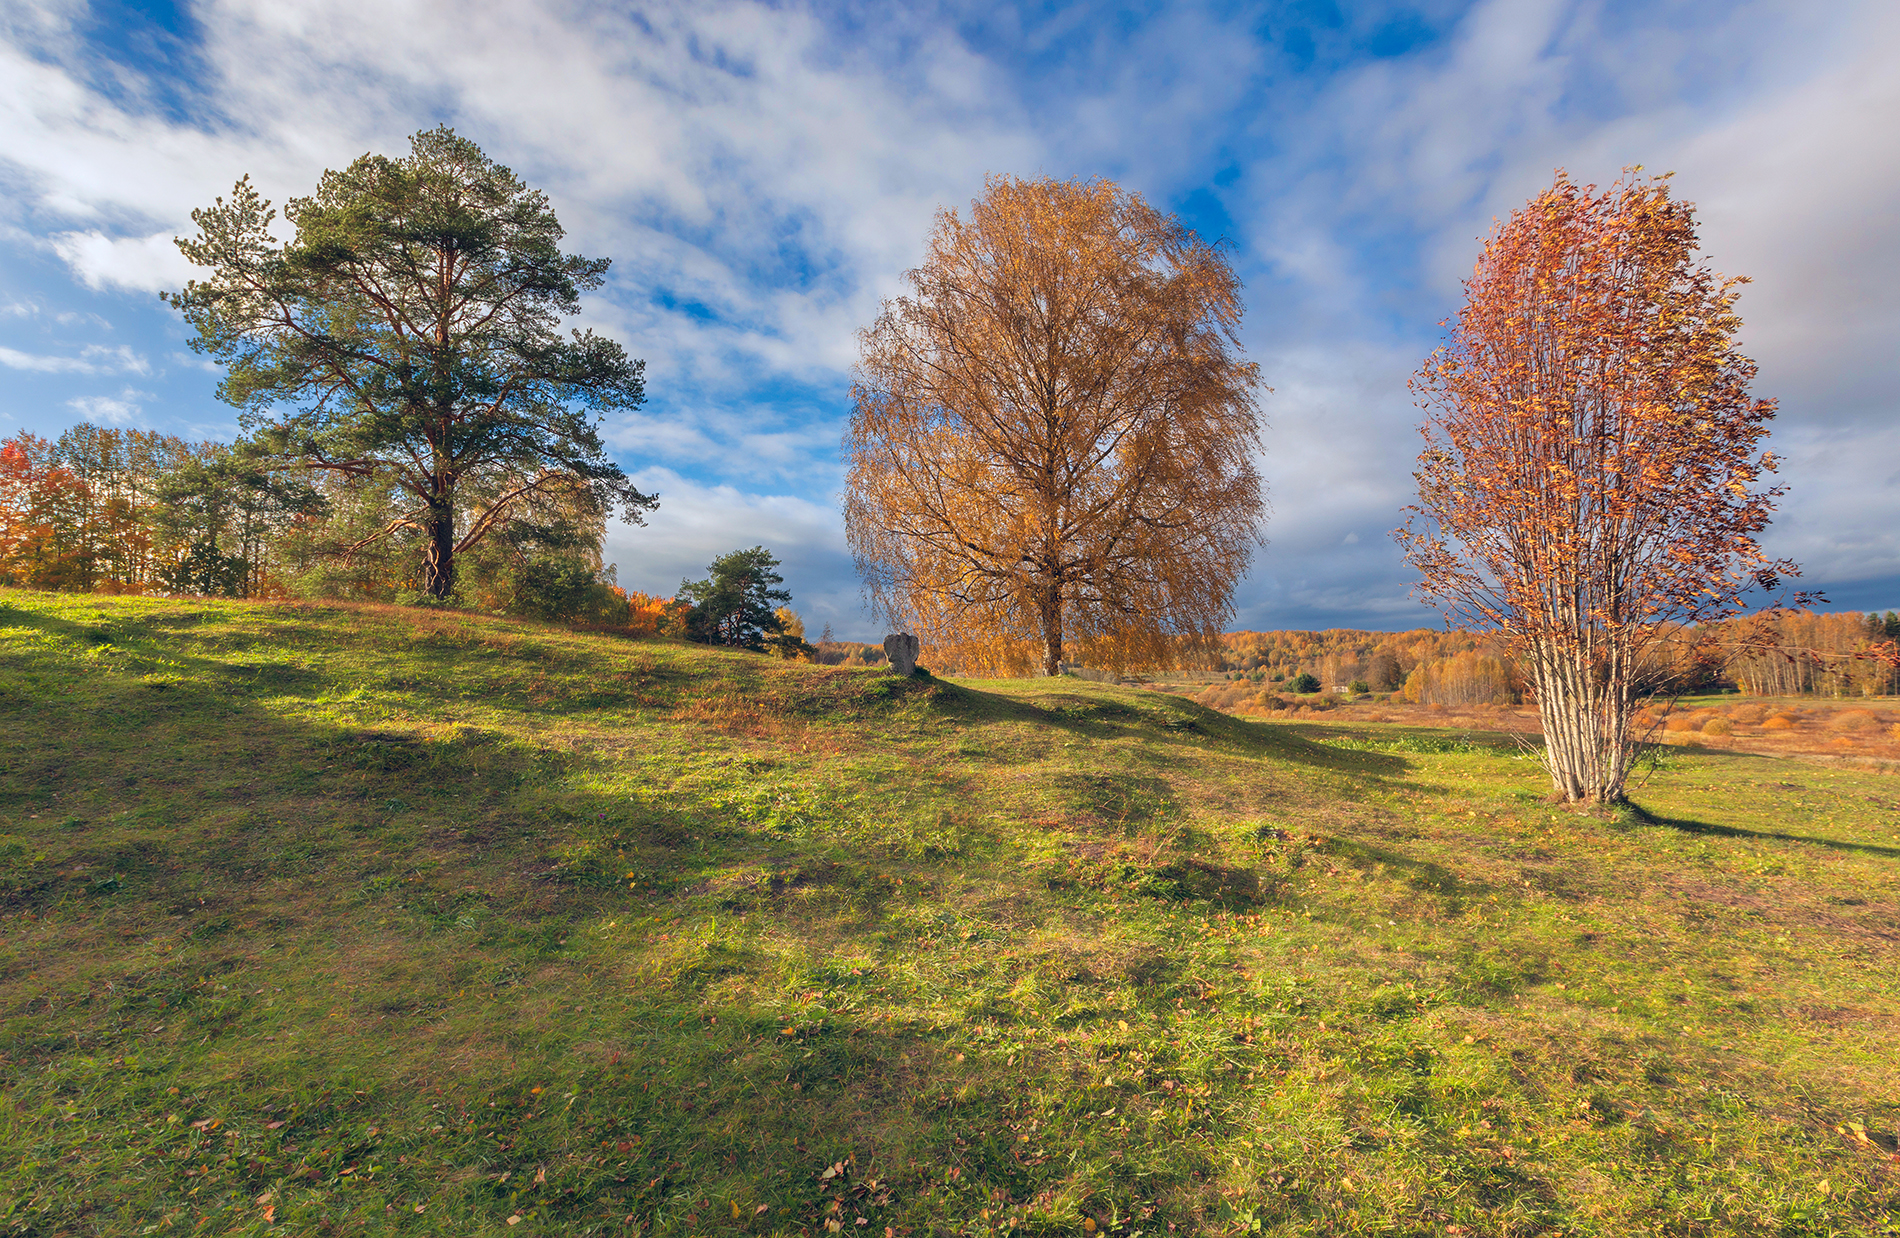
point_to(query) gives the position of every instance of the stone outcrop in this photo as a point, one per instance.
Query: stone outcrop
(901, 649)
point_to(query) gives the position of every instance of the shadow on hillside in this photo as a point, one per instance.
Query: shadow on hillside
(1420, 874)
(1645, 817)
(1093, 714)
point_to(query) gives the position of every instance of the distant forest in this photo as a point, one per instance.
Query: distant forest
(1791, 655)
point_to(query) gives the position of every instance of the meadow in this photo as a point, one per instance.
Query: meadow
(324, 919)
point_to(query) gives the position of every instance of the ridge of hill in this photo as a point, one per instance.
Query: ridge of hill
(333, 919)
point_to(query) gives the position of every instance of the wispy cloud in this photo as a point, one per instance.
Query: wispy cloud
(119, 410)
(92, 359)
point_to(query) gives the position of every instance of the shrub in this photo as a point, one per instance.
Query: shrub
(1359, 687)
(1780, 722)
(1855, 720)
(1303, 682)
(1718, 726)
(1748, 715)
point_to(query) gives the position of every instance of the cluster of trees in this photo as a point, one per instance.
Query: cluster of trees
(109, 510)
(1342, 657)
(1841, 654)
(128, 511)
(1844, 654)
(1424, 666)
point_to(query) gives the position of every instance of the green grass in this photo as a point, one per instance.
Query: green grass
(333, 920)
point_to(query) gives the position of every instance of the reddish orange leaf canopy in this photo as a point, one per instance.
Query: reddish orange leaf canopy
(1592, 465)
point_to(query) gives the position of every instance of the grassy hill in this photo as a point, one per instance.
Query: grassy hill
(338, 920)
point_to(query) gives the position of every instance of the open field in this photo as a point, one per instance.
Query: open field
(1857, 730)
(326, 920)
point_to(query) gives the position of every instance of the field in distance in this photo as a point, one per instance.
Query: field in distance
(324, 919)
(1861, 731)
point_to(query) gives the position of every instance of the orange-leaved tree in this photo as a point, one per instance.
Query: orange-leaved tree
(43, 542)
(1052, 440)
(1592, 476)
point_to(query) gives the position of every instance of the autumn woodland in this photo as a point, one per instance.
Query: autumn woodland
(373, 861)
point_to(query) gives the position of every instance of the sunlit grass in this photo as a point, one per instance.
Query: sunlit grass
(325, 920)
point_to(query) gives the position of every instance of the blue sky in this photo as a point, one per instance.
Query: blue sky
(763, 174)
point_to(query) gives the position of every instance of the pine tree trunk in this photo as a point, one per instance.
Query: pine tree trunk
(438, 561)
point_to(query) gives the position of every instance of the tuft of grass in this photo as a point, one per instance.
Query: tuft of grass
(328, 919)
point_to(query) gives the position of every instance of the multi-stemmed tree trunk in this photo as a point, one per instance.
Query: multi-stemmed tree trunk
(1591, 476)
(414, 318)
(1052, 443)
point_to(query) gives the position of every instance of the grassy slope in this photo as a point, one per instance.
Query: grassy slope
(344, 921)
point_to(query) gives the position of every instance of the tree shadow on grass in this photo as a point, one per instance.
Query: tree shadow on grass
(1644, 816)
(1090, 711)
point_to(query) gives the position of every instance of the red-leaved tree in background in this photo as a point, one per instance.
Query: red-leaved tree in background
(42, 518)
(1592, 476)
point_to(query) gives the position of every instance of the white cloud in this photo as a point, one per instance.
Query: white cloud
(92, 359)
(119, 410)
(140, 264)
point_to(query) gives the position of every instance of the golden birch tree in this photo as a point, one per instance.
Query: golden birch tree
(1592, 476)
(1053, 435)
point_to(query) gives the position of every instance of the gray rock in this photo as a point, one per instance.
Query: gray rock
(901, 649)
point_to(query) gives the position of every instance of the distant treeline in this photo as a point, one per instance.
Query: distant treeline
(129, 511)
(1425, 665)
(1802, 654)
